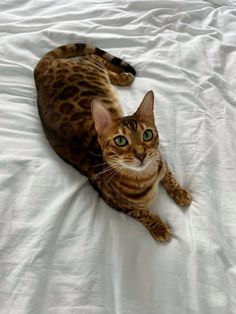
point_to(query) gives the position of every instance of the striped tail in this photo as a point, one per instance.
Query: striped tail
(81, 49)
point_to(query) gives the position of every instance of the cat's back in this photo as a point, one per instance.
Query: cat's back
(66, 89)
(67, 79)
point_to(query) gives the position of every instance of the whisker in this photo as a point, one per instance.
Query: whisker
(117, 169)
(101, 164)
(122, 174)
(103, 171)
(94, 154)
(112, 176)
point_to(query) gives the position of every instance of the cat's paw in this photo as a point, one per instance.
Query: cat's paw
(161, 232)
(126, 78)
(182, 197)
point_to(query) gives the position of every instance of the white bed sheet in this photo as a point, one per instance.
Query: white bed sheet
(62, 249)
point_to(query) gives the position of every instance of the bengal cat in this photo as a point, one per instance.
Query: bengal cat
(84, 123)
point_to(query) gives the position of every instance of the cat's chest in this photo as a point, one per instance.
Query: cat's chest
(141, 199)
(130, 194)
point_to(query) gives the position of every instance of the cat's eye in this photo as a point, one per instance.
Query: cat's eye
(147, 135)
(120, 140)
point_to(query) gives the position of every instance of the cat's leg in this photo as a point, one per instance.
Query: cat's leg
(179, 194)
(158, 229)
(121, 79)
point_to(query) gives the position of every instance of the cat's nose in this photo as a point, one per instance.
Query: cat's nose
(141, 156)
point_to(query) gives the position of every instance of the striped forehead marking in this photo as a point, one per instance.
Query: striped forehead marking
(130, 122)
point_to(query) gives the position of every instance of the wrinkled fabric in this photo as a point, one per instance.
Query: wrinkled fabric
(62, 249)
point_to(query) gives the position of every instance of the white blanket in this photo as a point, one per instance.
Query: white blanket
(62, 249)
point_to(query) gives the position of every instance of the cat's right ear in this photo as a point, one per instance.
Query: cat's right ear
(101, 116)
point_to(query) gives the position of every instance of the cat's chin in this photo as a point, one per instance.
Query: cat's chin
(137, 166)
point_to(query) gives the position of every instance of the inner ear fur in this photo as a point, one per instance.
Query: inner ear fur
(101, 116)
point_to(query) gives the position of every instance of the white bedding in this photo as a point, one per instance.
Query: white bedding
(62, 249)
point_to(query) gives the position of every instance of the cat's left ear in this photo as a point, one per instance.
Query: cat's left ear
(101, 116)
(145, 110)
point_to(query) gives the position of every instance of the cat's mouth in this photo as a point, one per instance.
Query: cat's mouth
(141, 164)
(137, 165)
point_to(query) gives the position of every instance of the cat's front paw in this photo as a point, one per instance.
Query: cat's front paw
(161, 232)
(126, 78)
(182, 197)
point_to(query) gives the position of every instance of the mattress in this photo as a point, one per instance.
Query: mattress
(62, 249)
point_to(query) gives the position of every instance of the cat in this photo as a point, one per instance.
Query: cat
(85, 125)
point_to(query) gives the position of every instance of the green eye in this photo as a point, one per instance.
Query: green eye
(147, 135)
(120, 140)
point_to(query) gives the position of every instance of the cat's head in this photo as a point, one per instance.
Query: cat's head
(128, 143)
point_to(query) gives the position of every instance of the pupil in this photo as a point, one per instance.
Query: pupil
(147, 135)
(120, 140)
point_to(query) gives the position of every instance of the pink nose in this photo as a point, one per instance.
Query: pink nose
(140, 156)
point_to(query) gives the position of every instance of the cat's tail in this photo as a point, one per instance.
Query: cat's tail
(113, 63)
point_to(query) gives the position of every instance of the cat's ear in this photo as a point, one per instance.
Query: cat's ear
(101, 116)
(145, 110)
